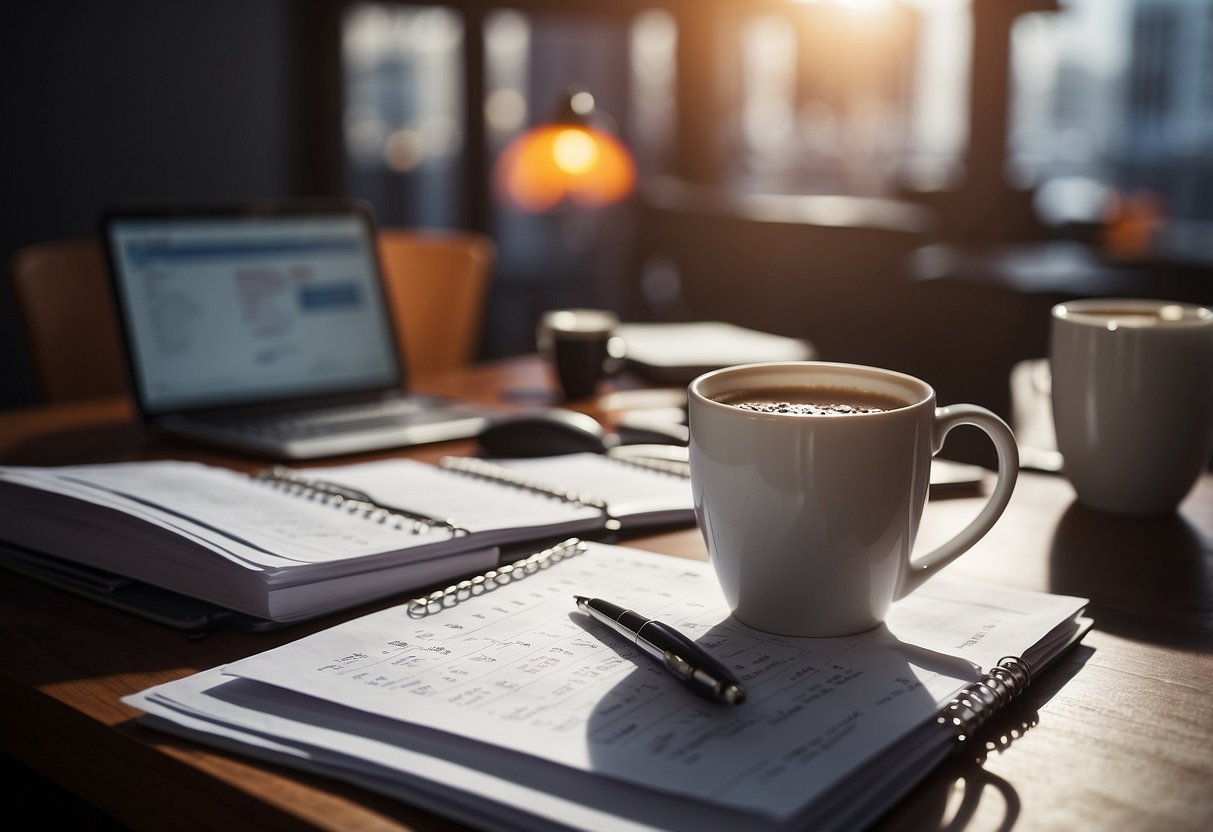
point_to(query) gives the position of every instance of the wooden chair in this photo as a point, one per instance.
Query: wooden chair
(71, 326)
(437, 284)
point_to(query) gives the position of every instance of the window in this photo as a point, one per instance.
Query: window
(403, 111)
(1113, 105)
(1108, 100)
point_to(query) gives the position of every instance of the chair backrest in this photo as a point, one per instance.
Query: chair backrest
(71, 326)
(437, 283)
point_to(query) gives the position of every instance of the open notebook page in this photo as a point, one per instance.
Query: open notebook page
(519, 669)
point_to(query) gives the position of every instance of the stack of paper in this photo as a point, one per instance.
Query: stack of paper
(675, 353)
(512, 710)
(289, 549)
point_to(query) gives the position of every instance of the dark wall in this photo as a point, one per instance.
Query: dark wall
(136, 100)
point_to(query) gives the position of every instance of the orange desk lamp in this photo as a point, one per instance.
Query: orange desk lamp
(574, 158)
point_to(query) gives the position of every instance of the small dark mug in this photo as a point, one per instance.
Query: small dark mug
(581, 347)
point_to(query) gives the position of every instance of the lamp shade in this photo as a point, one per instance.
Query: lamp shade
(573, 158)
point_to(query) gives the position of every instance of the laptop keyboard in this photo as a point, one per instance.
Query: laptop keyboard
(345, 418)
(337, 429)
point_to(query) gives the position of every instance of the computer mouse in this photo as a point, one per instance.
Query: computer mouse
(544, 433)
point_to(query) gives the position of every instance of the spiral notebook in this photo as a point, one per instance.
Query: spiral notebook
(285, 545)
(498, 704)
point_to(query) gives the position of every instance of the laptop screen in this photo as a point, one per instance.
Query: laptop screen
(228, 309)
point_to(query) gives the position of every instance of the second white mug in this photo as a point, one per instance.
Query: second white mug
(1132, 400)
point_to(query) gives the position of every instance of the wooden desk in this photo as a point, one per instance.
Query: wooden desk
(1116, 736)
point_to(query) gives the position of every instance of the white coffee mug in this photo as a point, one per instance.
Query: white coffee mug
(810, 520)
(1132, 400)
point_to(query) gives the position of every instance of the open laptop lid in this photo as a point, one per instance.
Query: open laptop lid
(237, 306)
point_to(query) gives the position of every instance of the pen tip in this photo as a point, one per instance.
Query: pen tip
(580, 599)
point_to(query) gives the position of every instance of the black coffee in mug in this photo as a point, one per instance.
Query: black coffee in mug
(806, 400)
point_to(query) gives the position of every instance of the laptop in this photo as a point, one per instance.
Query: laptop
(266, 329)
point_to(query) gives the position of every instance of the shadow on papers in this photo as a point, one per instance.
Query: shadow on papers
(961, 791)
(1148, 578)
(800, 750)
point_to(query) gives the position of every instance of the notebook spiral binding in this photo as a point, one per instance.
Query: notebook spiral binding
(444, 598)
(977, 703)
(353, 501)
(486, 470)
(677, 468)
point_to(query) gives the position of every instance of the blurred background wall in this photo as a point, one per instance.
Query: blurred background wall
(905, 182)
(136, 100)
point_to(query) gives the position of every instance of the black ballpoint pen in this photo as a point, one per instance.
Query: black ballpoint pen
(683, 658)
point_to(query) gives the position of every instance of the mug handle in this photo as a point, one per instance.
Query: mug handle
(617, 356)
(947, 418)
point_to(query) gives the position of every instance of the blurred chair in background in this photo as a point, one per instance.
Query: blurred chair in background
(437, 284)
(71, 327)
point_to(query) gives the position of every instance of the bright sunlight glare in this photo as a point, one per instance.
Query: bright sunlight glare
(574, 151)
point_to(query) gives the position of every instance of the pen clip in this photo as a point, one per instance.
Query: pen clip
(689, 662)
